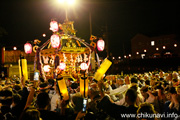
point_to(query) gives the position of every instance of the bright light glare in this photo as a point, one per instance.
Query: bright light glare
(14, 48)
(61, 1)
(69, 2)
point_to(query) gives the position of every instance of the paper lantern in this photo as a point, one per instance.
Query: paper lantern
(28, 48)
(100, 45)
(62, 66)
(54, 26)
(55, 41)
(82, 88)
(84, 66)
(63, 89)
(46, 68)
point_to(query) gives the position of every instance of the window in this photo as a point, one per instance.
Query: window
(152, 43)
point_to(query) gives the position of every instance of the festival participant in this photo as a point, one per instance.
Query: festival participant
(122, 89)
(43, 102)
(31, 114)
(116, 111)
(6, 101)
(146, 112)
(94, 95)
(172, 106)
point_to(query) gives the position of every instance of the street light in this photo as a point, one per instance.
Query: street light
(164, 47)
(175, 45)
(14, 48)
(84, 81)
(66, 3)
(44, 35)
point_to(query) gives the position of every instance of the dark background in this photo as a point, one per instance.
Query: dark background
(26, 20)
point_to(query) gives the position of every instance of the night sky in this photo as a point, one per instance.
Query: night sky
(26, 20)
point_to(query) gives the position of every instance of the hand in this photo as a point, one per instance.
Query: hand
(22, 79)
(100, 84)
(80, 115)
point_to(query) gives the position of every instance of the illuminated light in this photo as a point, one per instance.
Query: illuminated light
(71, 2)
(157, 48)
(61, 1)
(145, 50)
(44, 35)
(175, 45)
(23, 66)
(164, 47)
(168, 53)
(129, 55)
(14, 48)
(46, 68)
(142, 56)
(54, 26)
(152, 43)
(102, 69)
(55, 41)
(119, 57)
(84, 66)
(137, 53)
(100, 45)
(63, 89)
(125, 56)
(113, 58)
(62, 66)
(28, 48)
(85, 94)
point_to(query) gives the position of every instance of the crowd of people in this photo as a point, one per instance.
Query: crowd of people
(148, 96)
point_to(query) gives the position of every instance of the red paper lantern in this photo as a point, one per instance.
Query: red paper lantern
(55, 41)
(28, 48)
(46, 68)
(84, 66)
(100, 45)
(62, 66)
(54, 26)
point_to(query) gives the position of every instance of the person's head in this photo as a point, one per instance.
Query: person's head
(16, 88)
(43, 100)
(77, 101)
(147, 82)
(120, 81)
(16, 98)
(174, 82)
(93, 90)
(134, 86)
(145, 108)
(31, 114)
(43, 87)
(131, 96)
(6, 97)
(51, 82)
(175, 75)
(152, 81)
(134, 80)
(143, 90)
(161, 74)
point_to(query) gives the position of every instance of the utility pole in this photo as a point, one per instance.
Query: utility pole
(105, 37)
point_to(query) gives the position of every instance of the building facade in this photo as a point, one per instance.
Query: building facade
(152, 47)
